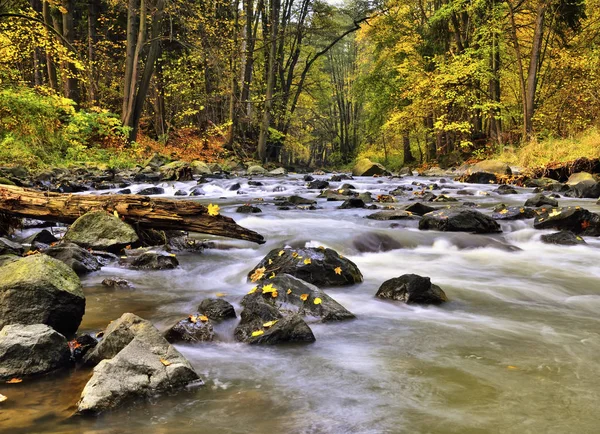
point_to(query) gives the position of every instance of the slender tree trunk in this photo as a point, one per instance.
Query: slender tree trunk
(139, 44)
(534, 65)
(130, 50)
(233, 103)
(92, 40)
(51, 69)
(408, 157)
(70, 83)
(266, 120)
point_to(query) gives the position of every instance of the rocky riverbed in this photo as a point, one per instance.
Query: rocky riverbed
(378, 304)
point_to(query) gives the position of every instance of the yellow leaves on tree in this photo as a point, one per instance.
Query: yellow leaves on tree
(213, 210)
(258, 274)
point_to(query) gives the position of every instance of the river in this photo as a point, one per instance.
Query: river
(514, 351)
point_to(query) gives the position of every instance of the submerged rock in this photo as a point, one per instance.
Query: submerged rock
(39, 289)
(412, 289)
(150, 191)
(459, 221)
(31, 350)
(248, 209)
(78, 258)
(392, 215)
(319, 266)
(318, 185)
(100, 230)
(150, 260)
(513, 213)
(112, 282)
(564, 238)
(8, 247)
(353, 202)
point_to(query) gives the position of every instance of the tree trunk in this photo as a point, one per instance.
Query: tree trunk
(92, 40)
(52, 78)
(70, 84)
(130, 50)
(146, 212)
(534, 66)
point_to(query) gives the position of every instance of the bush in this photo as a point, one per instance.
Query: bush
(39, 128)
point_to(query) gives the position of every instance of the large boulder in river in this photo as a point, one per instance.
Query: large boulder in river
(513, 213)
(262, 323)
(177, 171)
(578, 177)
(290, 294)
(589, 189)
(486, 172)
(76, 257)
(412, 289)
(31, 350)
(140, 370)
(540, 200)
(216, 309)
(256, 170)
(365, 167)
(573, 218)
(317, 265)
(200, 168)
(39, 289)
(457, 220)
(100, 230)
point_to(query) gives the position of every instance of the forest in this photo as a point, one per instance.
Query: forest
(298, 82)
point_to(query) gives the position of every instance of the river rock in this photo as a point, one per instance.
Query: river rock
(39, 289)
(176, 171)
(216, 309)
(486, 172)
(78, 258)
(280, 171)
(540, 200)
(392, 215)
(299, 200)
(564, 238)
(297, 296)
(5, 259)
(197, 191)
(8, 247)
(578, 177)
(506, 189)
(513, 213)
(319, 266)
(113, 282)
(573, 218)
(412, 289)
(588, 189)
(365, 167)
(150, 260)
(40, 240)
(81, 345)
(248, 209)
(457, 220)
(317, 185)
(31, 350)
(200, 168)
(100, 230)
(193, 329)
(256, 170)
(419, 208)
(262, 323)
(138, 371)
(353, 202)
(150, 191)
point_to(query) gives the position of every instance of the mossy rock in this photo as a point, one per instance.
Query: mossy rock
(100, 230)
(6, 181)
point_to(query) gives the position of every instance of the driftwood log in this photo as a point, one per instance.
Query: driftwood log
(150, 213)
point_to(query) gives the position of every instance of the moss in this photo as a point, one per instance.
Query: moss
(5, 181)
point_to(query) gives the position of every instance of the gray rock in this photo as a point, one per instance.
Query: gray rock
(31, 350)
(137, 371)
(513, 213)
(78, 258)
(200, 168)
(366, 167)
(319, 266)
(150, 191)
(573, 218)
(353, 202)
(150, 260)
(540, 200)
(256, 170)
(412, 289)
(100, 230)
(192, 329)
(297, 296)
(459, 221)
(216, 309)
(39, 289)
(8, 247)
(563, 238)
(392, 215)
(176, 171)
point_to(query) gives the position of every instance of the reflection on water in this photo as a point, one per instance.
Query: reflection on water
(514, 351)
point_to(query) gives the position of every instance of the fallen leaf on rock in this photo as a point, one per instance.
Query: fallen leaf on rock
(304, 297)
(203, 318)
(269, 324)
(274, 294)
(289, 291)
(281, 253)
(317, 301)
(253, 290)
(338, 270)
(258, 274)
(14, 381)
(268, 288)
(257, 333)
(165, 362)
(307, 261)
(213, 210)
(193, 318)
(3, 398)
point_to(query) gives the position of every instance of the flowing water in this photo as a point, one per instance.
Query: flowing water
(514, 351)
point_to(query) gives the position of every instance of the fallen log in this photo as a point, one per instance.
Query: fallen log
(143, 211)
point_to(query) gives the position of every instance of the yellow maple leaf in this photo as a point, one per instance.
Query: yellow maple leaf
(338, 270)
(203, 318)
(213, 210)
(268, 288)
(289, 291)
(274, 294)
(253, 290)
(193, 318)
(258, 274)
(554, 213)
(304, 297)
(257, 333)
(307, 261)
(281, 253)
(317, 301)
(165, 362)
(270, 324)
